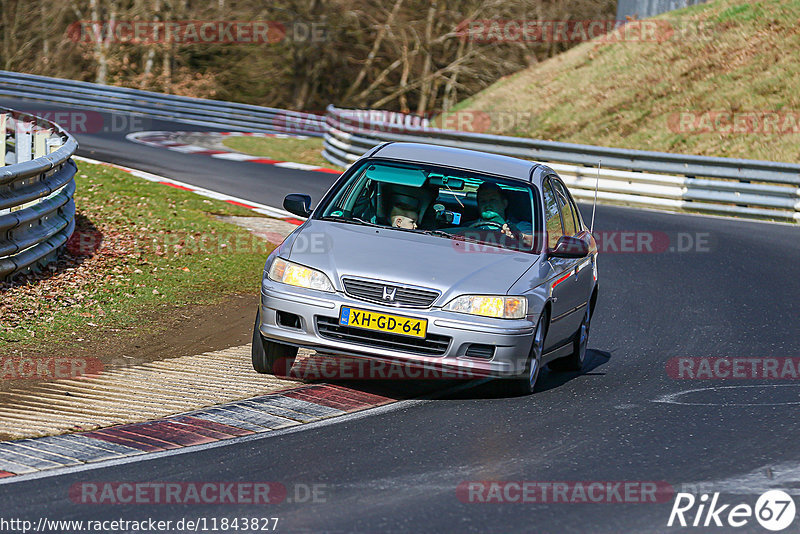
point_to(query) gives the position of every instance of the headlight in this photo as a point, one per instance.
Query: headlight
(296, 275)
(490, 306)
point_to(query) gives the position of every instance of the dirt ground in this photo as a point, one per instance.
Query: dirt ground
(183, 331)
(180, 331)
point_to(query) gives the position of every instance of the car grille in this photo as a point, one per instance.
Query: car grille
(407, 297)
(432, 345)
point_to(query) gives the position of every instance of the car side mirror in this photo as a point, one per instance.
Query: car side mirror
(570, 247)
(299, 205)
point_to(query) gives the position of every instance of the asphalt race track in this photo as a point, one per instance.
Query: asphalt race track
(105, 141)
(732, 293)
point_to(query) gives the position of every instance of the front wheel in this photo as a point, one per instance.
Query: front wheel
(525, 384)
(270, 357)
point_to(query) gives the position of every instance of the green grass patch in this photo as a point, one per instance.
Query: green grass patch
(741, 13)
(307, 151)
(140, 250)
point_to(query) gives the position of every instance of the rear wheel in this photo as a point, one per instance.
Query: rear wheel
(574, 362)
(270, 357)
(525, 384)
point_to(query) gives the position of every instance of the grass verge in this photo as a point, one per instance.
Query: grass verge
(675, 93)
(139, 250)
(307, 151)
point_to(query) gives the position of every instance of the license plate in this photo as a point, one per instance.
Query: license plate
(383, 322)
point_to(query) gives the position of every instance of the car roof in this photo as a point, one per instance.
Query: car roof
(459, 158)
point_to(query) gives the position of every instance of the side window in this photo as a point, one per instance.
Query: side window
(552, 216)
(567, 210)
(578, 222)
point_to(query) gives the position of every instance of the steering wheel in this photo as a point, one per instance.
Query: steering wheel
(492, 225)
(488, 225)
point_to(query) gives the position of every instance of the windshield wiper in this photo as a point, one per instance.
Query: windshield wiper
(462, 237)
(457, 237)
(351, 220)
(442, 233)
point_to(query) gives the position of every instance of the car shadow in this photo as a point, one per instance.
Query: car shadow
(450, 389)
(551, 380)
(498, 388)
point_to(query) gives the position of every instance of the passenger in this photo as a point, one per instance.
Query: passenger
(404, 212)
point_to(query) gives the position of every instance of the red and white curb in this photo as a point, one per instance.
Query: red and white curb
(275, 411)
(173, 141)
(269, 211)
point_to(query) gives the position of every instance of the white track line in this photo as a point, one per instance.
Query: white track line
(255, 206)
(222, 443)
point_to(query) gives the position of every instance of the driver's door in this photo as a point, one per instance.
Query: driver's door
(559, 271)
(576, 289)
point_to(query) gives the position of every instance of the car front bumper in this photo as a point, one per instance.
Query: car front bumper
(318, 312)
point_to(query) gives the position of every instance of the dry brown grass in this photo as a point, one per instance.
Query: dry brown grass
(744, 58)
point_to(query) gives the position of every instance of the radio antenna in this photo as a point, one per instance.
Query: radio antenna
(596, 187)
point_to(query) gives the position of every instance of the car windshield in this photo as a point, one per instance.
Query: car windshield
(450, 203)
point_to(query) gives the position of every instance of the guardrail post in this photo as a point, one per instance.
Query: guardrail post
(53, 143)
(40, 142)
(23, 141)
(42, 216)
(3, 119)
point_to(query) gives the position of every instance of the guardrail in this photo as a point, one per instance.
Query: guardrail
(37, 211)
(198, 111)
(725, 186)
(751, 188)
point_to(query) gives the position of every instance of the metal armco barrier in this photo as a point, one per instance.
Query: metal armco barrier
(198, 111)
(724, 186)
(37, 211)
(642, 9)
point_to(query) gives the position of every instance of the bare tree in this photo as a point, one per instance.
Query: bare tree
(398, 54)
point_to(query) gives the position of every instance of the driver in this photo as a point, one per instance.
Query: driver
(492, 207)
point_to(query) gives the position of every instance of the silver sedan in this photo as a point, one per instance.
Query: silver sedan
(435, 257)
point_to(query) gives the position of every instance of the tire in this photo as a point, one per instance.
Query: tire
(270, 357)
(526, 383)
(574, 362)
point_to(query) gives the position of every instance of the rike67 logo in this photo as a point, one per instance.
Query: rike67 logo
(774, 510)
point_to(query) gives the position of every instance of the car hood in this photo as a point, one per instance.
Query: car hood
(450, 266)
